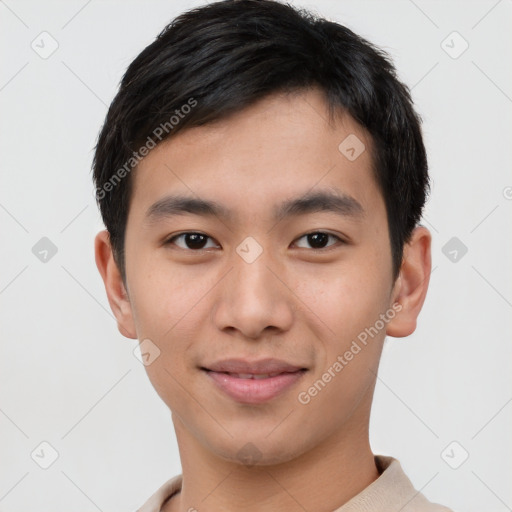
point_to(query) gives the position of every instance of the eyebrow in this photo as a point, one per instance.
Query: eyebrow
(319, 201)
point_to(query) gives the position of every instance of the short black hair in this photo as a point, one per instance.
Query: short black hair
(222, 57)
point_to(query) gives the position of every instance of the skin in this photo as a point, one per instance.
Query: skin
(295, 302)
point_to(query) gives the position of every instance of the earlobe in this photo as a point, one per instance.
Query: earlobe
(411, 285)
(114, 286)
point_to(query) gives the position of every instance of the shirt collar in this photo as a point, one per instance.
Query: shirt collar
(392, 491)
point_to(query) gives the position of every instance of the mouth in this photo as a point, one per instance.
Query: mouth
(253, 383)
(256, 376)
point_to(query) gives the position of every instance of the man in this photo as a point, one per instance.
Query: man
(261, 174)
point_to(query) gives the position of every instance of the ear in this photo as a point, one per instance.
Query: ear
(411, 285)
(114, 286)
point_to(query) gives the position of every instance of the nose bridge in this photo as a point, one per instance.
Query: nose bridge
(253, 297)
(253, 284)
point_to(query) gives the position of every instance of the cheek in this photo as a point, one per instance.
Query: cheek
(349, 308)
(344, 302)
(349, 305)
(169, 309)
(163, 296)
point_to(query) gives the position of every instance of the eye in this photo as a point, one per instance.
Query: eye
(198, 241)
(318, 239)
(191, 240)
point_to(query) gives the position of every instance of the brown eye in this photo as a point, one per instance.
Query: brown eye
(319, 239)
(191, 241)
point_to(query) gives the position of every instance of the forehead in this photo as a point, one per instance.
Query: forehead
(282, 146)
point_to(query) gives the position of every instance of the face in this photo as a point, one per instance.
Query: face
(269, 277)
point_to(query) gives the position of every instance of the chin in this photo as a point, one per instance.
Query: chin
(253, 451)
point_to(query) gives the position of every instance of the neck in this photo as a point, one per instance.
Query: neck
(323, 478)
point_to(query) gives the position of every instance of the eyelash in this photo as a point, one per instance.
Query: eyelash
(327, 248)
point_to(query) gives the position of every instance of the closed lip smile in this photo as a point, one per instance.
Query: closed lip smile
(253, 382)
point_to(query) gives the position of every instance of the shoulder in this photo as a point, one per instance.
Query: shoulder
(155, 502)
(398, 482)
(390, 492)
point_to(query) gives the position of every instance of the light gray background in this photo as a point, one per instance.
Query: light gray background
(69, 378)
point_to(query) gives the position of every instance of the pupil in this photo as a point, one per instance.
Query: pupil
(195, 240)
(318, 240)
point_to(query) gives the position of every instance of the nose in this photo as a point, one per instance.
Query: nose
(253, 299)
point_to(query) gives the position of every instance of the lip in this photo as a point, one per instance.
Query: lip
(249, 382)
(258, 367)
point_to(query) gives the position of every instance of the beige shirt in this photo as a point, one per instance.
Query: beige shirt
(391, 492)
